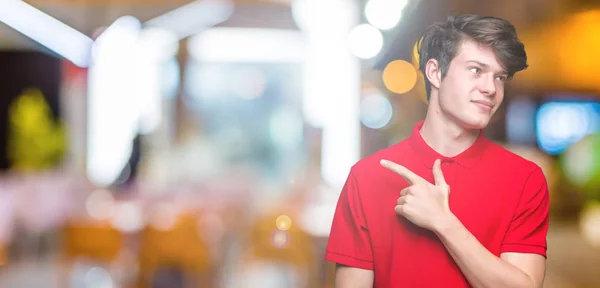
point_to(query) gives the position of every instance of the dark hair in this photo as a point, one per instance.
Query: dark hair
(441, 42)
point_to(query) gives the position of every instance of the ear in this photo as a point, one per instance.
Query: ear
(433, 73)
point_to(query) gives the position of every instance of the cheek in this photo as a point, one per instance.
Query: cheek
(458, 86)
(456, 91)
(452, 103)
(500, 94)
(465, 88)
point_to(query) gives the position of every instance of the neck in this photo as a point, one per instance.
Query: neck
(445, 135)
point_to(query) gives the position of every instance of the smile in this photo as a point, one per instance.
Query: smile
(485, 105)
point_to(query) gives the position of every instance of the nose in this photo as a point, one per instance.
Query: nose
(487, 86)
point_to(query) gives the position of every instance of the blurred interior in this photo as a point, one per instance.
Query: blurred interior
(170, 143)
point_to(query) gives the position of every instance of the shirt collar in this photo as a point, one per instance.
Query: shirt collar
(468, 158)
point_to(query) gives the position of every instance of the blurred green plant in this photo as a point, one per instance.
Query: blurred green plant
(35, 140)
(580, 165)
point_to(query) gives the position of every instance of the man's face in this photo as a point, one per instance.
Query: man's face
(473, 87)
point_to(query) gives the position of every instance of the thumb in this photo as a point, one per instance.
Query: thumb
(438, 174)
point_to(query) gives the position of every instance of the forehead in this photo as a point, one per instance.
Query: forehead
(472, 51)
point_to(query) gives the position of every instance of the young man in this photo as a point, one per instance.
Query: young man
(447, 207)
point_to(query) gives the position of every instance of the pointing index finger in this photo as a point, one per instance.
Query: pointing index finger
(408, 175)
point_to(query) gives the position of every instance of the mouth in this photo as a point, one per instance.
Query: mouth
(485, 105)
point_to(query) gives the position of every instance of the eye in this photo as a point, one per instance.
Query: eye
(501, 78)
(475, 70)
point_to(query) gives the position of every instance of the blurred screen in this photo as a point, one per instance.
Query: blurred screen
(562, 123)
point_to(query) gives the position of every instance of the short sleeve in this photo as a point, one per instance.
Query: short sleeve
(529, 227)
(349, 243)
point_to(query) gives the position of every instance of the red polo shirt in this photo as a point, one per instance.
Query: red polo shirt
(501, 198)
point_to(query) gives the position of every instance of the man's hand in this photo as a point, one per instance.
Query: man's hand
(427, 205)
(422, 203)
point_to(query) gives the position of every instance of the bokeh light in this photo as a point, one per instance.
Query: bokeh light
(311, 15)
(581, 165)
(128, 217)
(560, 124)
(98, 277)
(399, 76)
(100, 204)
(577, 162)
(280, 239)
(365, 41)
(164, 216)
(283, 222)
(384, 14)
(375, 111)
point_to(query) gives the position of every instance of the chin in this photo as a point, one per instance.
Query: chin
(476, 123)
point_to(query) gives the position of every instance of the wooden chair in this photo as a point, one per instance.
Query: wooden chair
(292, 247)
(93, 241)
(178, 247)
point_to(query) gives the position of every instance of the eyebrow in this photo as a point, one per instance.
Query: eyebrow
(486, 66)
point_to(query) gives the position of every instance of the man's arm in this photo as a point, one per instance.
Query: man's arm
(484, 269)
(351, 277)
(349, 244)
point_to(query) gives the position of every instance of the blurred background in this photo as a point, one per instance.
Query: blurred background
(169, 143)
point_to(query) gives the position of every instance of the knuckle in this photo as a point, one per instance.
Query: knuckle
(398, 209)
